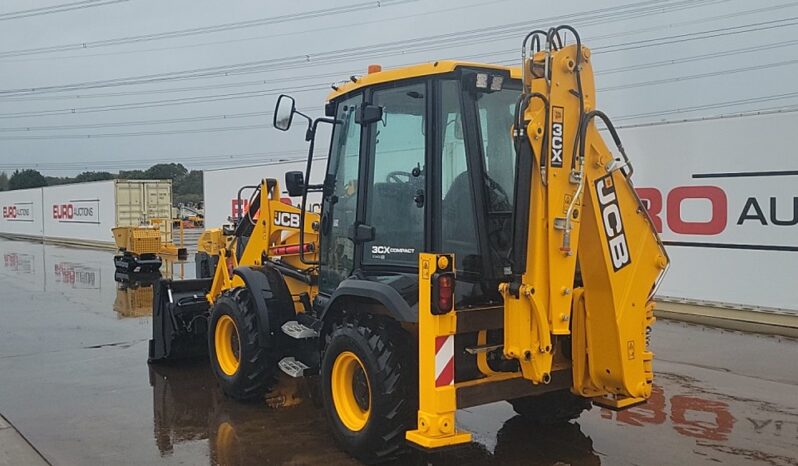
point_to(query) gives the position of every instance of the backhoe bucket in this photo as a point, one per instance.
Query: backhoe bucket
(180, 313)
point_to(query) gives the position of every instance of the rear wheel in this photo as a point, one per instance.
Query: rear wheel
(368, 389)
(551, 408)
(244, 369)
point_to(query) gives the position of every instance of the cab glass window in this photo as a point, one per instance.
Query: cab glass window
(396, 197)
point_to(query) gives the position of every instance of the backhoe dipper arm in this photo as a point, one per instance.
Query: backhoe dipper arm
(575, 203)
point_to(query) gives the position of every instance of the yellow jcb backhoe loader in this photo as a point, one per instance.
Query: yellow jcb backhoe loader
(477, 242)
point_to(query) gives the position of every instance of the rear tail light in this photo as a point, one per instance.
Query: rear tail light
(442, 293)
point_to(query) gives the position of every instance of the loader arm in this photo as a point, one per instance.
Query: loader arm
(268, 230)
(586, 258)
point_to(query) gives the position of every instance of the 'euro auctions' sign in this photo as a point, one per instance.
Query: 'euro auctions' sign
(77, 211)
(18, 212)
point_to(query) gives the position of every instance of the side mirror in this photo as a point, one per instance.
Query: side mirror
(295, 183)
(284, 112)
(368, 114)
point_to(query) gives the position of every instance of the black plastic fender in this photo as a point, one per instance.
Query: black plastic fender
(387, 295)
(273, 302)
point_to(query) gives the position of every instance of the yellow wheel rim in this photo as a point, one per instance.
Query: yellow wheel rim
(227, 345)
(351, 392)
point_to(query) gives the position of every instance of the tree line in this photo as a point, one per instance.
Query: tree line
(186, 184)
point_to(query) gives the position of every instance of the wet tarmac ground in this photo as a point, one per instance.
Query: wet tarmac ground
(75, 381)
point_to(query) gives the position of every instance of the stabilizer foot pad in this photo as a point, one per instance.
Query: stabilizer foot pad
(617, 404)
(419, 440)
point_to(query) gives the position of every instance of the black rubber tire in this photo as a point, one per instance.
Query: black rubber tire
(257, 371)
(389, 361)
(551, 407)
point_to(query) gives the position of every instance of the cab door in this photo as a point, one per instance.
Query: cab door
(339, 204)
(396, 192)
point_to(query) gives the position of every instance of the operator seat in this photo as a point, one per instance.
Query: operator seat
(459, 232)
(392, 215)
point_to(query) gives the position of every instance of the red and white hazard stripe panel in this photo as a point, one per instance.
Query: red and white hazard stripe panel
(444, 361)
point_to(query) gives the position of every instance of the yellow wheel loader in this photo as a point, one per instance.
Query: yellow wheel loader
(477, 242)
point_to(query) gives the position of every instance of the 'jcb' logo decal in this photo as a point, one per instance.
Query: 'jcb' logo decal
(613, 224)
(557, 130)
(286, 219)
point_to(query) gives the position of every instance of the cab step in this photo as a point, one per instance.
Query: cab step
(482, 349)
(296, 330)
(292, 367)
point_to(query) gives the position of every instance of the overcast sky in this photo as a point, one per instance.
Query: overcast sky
(217, 66)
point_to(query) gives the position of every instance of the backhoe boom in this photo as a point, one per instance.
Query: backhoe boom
(586, 257)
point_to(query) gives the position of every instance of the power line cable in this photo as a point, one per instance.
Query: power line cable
(675, 79)
(431, 42)
(133, 162)
(258, 82)
(712, 33)
(306, 88)
(706, 56)
(712, 106)
(245, 95)
(637, 116)
(624, 86)
(229, 160)
(137, 133)
(316, 30)
(229, 116)
(321, 13)
(161, 103)
(679, 38)
(56, 9)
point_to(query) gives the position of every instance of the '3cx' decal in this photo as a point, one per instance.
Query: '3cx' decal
(557, 130)
(286, 219)
(613, 223)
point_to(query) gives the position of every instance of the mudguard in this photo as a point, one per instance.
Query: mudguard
(385, 294)
(273, 302)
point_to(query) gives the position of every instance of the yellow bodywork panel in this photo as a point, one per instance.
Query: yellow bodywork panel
(409, 72)
(212, 241)
(138, 240)
(437, 391)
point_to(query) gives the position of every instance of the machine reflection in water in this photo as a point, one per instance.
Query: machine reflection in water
(134, 290)
(189, 407)
(134, 294)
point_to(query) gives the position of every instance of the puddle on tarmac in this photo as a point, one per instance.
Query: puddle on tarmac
(707, 413)
(188, 407)
(701, 425)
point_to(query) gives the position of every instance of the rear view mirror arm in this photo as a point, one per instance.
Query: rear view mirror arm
(311, 137)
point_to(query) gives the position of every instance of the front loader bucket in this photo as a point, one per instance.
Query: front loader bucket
(180, 314)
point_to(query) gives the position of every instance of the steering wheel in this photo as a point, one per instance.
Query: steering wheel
(396, 177)
(499, 196)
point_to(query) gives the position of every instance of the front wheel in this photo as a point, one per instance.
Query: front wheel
(368, 389)
(244, 369)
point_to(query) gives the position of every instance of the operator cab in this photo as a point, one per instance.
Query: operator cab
(381, 205)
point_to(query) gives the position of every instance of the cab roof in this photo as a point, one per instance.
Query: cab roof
(414, 71)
